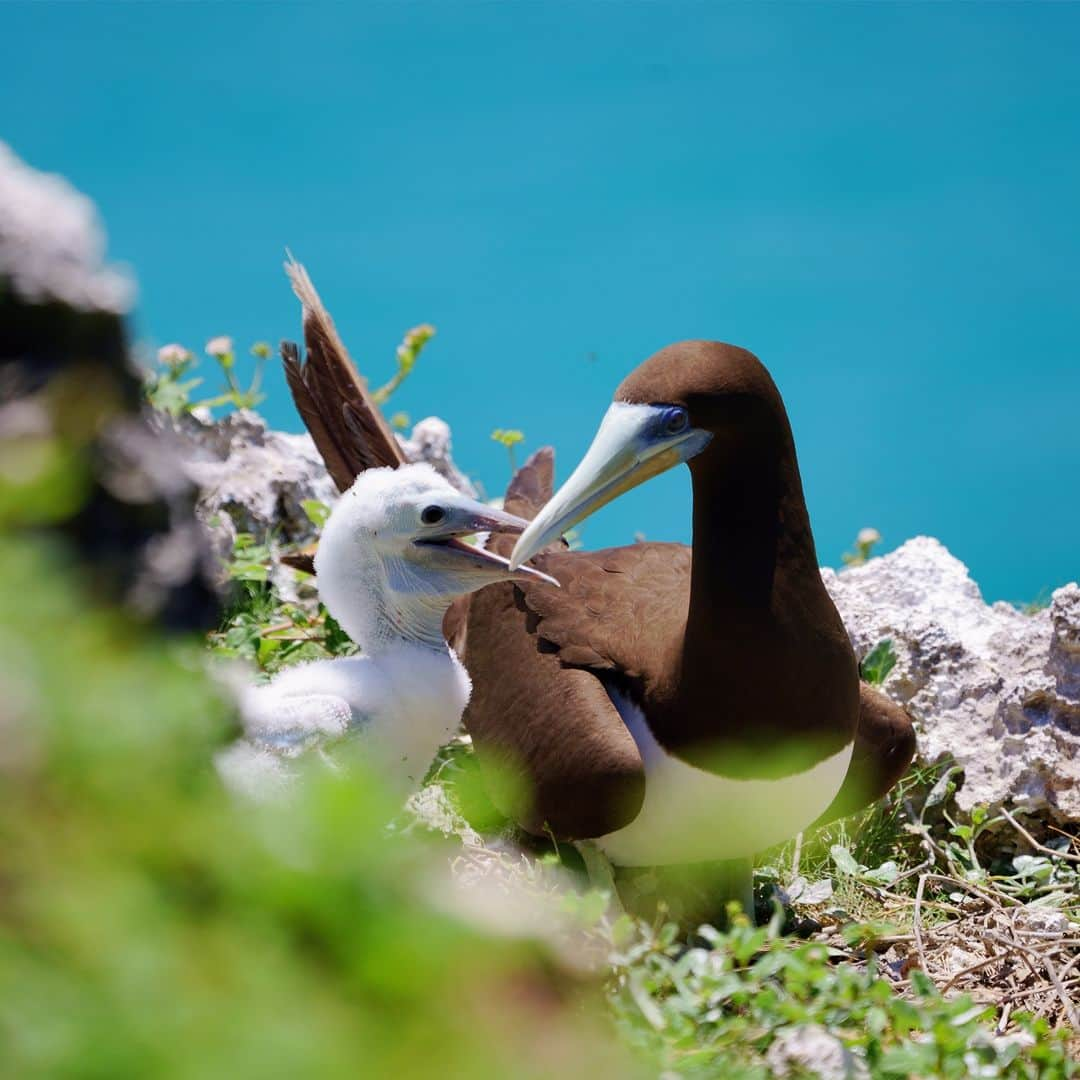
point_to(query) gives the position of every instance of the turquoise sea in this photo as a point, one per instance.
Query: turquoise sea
(878, 199)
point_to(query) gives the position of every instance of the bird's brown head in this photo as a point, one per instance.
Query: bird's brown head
(723, 389)
(700, 402)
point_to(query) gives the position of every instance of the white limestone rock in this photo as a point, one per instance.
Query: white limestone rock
(997, 689)
(253, 479)
(811, 1050)
(430, 442)
(52, 245)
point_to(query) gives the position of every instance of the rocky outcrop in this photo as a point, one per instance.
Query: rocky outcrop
(78, 456)
(251, 479)
(255, 480)
(430, 442)
(52, 245)
(991, 686)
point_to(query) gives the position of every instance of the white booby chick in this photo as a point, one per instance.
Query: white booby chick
(390, 562)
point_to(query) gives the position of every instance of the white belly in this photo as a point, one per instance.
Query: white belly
(690, 815)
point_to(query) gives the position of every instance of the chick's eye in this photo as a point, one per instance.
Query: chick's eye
(432, 515)
(675, 421)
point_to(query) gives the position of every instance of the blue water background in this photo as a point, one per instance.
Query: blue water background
(879, 200)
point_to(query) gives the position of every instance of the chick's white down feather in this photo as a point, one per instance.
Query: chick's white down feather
(404, 696)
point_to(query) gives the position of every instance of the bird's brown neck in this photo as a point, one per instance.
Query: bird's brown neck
(761, 634)
(751, 530)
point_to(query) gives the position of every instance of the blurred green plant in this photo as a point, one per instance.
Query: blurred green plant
(152, 925)
(261, 627)
(168, 387)
(317, 511)
(408, 352)
(865, 543)
(509, 437)
(715, 1009)
(1042, 600)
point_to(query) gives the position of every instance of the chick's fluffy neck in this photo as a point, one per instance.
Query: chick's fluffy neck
(380, 602)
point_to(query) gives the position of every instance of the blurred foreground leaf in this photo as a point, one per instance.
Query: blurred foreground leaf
(152, 925)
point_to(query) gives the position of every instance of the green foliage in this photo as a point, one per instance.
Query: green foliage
(152, 925)
(508, 437)
(261, 627)
(317, 512)
(408, 352)
(169, 389)
(865, 543)
(878, 662)
(1041, 602)
(715, 1009)
(1052, 879)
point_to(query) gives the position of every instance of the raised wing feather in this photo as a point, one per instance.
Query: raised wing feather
(332, 398)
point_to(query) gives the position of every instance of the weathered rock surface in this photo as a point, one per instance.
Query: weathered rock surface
(77, 454)
(52, 245)
(997, 689)
(430, 442)
(251, 479)
(255, 480)
(810, 1049)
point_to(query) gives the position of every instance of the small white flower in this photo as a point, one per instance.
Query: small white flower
(172, 354)
(868, 537)
(219, 346)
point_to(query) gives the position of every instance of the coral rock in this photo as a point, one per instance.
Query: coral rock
(811, 1050)
(997, 689)
(430, 442)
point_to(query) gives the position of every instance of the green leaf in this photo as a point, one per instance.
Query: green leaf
(1032, 866)
(316, 510)
(843, 860)
(885, 874)
(878, 663)
(918, 1059)
(944, 787)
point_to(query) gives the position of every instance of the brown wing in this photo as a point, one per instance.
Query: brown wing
(555, 754)
(332, 398)
(884, 747)
(619, 610)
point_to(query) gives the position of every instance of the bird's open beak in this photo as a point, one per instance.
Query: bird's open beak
(445, 545)
(626, 452)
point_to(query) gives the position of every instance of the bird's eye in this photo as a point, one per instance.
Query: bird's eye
(432, 515)
(676, 421)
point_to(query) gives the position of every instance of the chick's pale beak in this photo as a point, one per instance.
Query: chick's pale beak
(466, 517)
(625, 452)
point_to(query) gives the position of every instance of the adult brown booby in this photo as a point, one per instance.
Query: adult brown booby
(675, 704)
(680, 704)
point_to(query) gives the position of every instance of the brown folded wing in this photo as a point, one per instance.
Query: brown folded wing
(619, 609)
(555, 753)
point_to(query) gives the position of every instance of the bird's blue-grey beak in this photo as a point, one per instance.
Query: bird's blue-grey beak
(632, 445)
